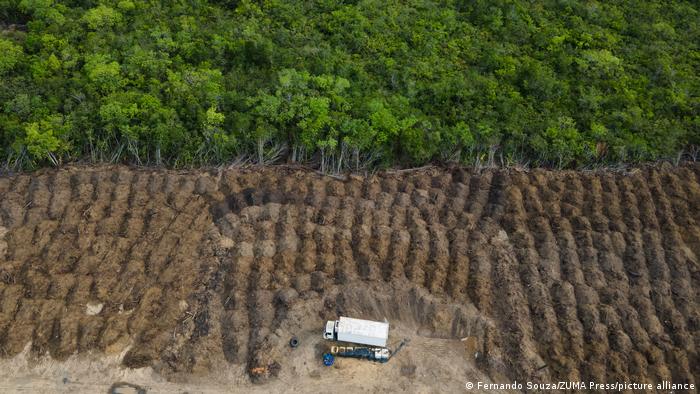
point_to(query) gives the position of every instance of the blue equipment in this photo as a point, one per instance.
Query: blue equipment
(328, 359)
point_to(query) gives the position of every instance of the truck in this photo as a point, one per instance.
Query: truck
(380, 354)
(359, 331)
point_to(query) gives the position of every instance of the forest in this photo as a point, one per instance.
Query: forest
(349, 84)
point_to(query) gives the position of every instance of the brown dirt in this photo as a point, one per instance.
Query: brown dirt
(552, 275)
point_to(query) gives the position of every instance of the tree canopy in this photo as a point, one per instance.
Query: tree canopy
(348, 83)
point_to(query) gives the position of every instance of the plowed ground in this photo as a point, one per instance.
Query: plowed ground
(555, 275)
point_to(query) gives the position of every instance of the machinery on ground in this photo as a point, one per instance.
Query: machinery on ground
(363, 332)
(380, 354)
(372, 337)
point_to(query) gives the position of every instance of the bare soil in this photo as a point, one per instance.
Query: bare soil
(202, 277)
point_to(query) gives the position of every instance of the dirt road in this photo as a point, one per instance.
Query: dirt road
(174, 278)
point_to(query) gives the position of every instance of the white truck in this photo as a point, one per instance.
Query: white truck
(363, 332)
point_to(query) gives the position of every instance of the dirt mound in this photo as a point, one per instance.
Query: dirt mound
(557, 275)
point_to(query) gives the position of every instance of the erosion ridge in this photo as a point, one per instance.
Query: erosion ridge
(579, 276)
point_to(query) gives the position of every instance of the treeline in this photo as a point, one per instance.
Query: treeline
(348, 84)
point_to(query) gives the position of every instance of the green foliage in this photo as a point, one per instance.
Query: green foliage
(102, 16)
(11, 55)
(561, 142)
(303, 107)
(555, 83)
(43, 139)
(103, 74)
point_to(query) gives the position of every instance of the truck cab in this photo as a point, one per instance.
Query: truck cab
(331, 329)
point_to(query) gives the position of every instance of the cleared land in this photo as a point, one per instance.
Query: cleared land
(550, 275)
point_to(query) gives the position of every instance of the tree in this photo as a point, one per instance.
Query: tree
(44, 139)
(12, 55)
(102, 17)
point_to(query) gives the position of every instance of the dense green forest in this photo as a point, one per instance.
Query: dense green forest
(346, 84)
